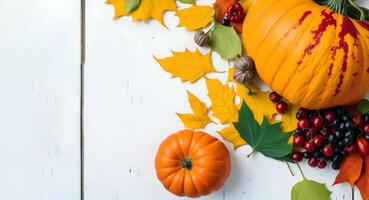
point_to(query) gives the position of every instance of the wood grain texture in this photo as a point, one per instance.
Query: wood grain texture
(130, 105)
(39, 103)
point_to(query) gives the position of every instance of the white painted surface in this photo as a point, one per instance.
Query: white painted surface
(39, 103)
(130, 108)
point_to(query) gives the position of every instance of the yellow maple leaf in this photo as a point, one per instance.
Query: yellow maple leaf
(289, 121)
(231, 135)
(195, 17)
(148, 9)
(200, 118)
(188, 66)
(222, 101)
(119, 7)
(230, 74)
(153, 9)
(258, 101)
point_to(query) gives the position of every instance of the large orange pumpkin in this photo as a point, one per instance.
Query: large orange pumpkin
(192, 163)
(310, 54)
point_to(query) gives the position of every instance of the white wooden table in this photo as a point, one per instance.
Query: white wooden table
(129, 108)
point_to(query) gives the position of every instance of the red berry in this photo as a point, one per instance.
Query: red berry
(299, 141)
(297, 156)
(318, 122)
(274, 97)
(304, 123)
(363, 146)
(311, 133)
(324, 132)
(318, 141)
(322, 164)
(350, 149)
(282, 107)
(328, 150)
(302, 113)
(329, 116)
(358, 120)
(310, 147)
(366, 129)
(235, 12)
(313, 162)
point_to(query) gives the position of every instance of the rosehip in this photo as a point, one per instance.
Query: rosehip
(318, 122)
(304, 123)
(318, 141)
(329, 116)
(299, 141)
(274, 97)
(297, 156)
(313, 162)
(282, 107)
(309, 146)
(366, 129)
(321, 164)
(328, 150)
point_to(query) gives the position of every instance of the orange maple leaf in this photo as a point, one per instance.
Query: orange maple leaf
(350, 169)
(363, 182)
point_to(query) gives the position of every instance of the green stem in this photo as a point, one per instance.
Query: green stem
(302, 173)
(347, 8)
(289, 168)
(253, 151)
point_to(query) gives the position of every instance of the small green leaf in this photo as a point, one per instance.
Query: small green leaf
(265, 138)
(187, 1)
(132, 5)
(363, 106)
(308, 190)
(225, 41)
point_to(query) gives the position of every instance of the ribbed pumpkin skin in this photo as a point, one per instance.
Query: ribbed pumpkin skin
(211, 163)
(309, 54)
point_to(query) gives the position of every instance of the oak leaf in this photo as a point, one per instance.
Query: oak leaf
(188, 66)
(199, 119)
(195, 17)
(222, 101)
(231, 135)
(363, 182)
(350, 169)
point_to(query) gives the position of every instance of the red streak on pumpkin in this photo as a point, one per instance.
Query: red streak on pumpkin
(328, 20)
(363, 24)
(347, 28)
(302, 19)
(330, 69)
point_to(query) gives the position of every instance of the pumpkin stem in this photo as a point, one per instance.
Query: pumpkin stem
(346, 7)
(186, 163)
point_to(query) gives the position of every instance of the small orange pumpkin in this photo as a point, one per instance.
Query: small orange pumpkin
(192, 164)
(309, 53)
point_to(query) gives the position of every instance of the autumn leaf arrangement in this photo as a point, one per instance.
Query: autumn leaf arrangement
(243, 112)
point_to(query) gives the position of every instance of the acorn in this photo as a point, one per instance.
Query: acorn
(244, 70)
(202, 39)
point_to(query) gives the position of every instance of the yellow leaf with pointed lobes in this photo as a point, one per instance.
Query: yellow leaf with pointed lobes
(231, 135)
(195, 17)
(188, 66)
(222, 101)
(153, 9)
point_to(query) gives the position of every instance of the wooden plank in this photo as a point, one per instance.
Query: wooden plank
(130, 108)
(39, 104)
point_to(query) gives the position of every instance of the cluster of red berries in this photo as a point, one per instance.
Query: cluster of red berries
(329, 135)
(281, 106)
(235, 13)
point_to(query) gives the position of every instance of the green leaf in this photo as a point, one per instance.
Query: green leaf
(132, 5)
(266, 138)
(187, 1)
(363, 106)
(307, 190)
(225, 41)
